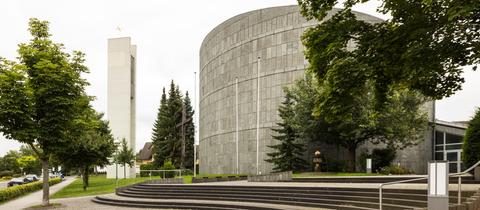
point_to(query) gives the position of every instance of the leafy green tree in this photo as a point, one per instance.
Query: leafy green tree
(26, 151)
(125, 156)
(9, 161)
(400, 124)
(93, 145)
(471, 141)
(39, 95)
(28, 164)
(287, 154)
(422, 48)
(35, 167)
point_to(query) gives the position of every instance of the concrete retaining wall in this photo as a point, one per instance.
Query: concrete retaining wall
(166, 181)
(274, 177)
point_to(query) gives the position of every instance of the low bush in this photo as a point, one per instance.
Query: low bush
(148, 166)
(381, 158)
(168, 165)
(10, 193)
(6, 173)
(395, 169)
(334, 166)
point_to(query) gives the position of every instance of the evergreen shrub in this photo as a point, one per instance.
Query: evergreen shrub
(10, 193)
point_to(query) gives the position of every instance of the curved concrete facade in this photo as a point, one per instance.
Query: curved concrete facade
(230, 51)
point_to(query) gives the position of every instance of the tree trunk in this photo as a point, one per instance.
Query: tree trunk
(45, 187)
(85, 177)
(87, 174)
(124, 171)
(352, 156)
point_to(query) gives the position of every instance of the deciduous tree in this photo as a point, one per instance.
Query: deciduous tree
(39, 95)
(125, 156)
(471, 141)
(422, 47)
(92, 145)
(400, 124)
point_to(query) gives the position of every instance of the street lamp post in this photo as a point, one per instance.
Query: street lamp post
(195, 127)
(237, 170)
(258, 108)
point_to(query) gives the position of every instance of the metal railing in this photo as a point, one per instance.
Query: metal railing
(178, 172)
(459, 175)
(423, 177)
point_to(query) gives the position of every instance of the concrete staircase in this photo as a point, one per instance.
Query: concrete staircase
(378, 179)
(264, 197)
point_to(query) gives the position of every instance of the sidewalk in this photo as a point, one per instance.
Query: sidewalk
(35, 198)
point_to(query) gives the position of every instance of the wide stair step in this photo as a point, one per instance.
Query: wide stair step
(271, 197)
(380, 179)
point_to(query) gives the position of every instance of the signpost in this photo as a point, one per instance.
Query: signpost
(438, 185)
(369, 165)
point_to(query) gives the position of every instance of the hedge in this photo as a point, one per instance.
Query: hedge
(10, 193)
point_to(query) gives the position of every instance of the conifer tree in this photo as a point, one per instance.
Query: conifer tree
(173, 143)
(189, 132)
(166, 137)
(160, 131)
(287, 154)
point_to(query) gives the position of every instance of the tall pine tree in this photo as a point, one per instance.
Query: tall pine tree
(189, 132)
(173, 145)
(287, 154)
(160, 131)
(166, 137)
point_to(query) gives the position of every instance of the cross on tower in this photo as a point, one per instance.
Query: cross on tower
(182, 132)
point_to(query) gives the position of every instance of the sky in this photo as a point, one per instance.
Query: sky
(168, 35)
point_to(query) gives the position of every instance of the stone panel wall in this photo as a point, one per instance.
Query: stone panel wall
(230, 51)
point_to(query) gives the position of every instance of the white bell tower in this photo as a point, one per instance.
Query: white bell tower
(121, 97)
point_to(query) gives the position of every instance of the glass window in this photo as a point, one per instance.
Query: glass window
(452, 156)
(452, 167)
(439, 148)
(438, 155)
(438, 137)
(452, 138)
(451, 147)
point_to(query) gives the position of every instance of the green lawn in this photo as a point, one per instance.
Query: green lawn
(311, 175)
(98, 185)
